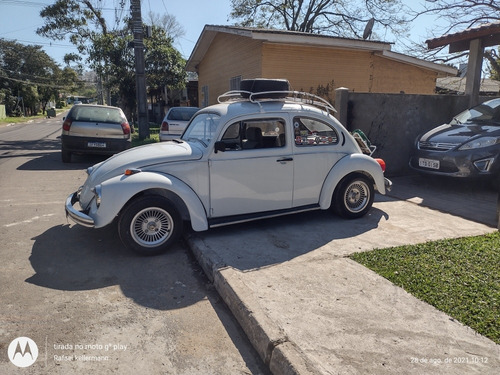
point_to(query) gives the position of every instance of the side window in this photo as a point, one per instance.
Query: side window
(255, 133)
(313, 132)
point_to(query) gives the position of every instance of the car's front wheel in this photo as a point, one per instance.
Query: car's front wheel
(353, 196)
(150, 225)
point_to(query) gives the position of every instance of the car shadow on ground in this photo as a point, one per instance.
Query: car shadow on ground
(74, 258)
(263, 243)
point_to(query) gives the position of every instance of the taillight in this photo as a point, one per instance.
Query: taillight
(67, 124)
(164, 126)
(381, 163)
(125, 127)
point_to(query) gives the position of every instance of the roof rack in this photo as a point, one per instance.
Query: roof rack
(277, 96)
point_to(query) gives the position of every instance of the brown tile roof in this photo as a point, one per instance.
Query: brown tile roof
(488, 32)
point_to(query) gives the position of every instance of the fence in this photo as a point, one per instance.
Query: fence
(392, 122)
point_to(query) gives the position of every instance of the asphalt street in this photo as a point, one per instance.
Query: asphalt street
(88, 304)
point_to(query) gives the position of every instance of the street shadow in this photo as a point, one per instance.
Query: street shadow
(45, 155)
(27, 147)
(74, 258)
(51, 161)
(273, 241)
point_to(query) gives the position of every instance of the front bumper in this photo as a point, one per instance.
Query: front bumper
(77, 216)
(454, 163)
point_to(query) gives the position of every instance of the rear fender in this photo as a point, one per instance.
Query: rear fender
(351, 163)
(129, 186)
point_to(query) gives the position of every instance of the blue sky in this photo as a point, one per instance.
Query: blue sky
(19, 20)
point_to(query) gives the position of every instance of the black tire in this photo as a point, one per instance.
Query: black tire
(262, 85)
(150, 225)
(353, 197)
(65, 156)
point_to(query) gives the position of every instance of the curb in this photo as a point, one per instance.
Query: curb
(274, 348)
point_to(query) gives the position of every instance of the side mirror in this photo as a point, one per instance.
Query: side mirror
(219, 146)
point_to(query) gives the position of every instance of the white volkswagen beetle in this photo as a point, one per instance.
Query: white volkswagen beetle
(256, 154)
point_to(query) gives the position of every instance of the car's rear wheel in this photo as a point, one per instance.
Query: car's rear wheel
(150, 225)
(353, 196)
(65, 155)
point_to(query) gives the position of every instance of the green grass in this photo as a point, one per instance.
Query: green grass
(154, 137)
(18, 119)
(460, 277)
(15, 120)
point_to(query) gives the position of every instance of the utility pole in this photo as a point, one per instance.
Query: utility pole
(140, 77)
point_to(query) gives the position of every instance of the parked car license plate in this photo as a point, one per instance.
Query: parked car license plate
(428, 163)
(97, 144)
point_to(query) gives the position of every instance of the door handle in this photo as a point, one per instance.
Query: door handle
(282, 160)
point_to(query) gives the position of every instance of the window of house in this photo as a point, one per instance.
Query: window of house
(253, 134)
(234, 83)
(313, 132)
(204, 96)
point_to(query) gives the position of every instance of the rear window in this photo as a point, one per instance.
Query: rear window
(97, 114)
(181, 114)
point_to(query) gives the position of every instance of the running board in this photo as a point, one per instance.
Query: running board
(237, 219)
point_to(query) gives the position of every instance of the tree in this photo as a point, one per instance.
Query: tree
(343, 18)
(107, 49)
(458, 16)
(27, 72)
(168, 23)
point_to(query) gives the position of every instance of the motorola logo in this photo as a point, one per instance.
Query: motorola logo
(23, 352)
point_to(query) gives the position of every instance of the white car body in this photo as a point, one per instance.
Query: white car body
(210, 186)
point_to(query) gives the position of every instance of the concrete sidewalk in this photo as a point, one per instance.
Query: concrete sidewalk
(308, 309)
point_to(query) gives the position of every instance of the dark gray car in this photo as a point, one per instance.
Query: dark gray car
(469, 146)
(94, 129)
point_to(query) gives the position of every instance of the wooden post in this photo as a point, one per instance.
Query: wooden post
(473, 82)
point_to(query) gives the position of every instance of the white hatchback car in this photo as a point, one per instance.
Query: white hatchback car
(175, 122)
(254, 155)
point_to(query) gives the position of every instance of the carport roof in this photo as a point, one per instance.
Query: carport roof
(489, 33)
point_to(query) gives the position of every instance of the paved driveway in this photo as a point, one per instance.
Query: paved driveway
(307, 308)
(475, 201)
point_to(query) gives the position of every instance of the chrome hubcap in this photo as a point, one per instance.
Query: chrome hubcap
(151, 227)
(357, 196)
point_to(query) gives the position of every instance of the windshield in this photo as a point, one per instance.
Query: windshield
(181, 113)
(488, 111)
(202, 128)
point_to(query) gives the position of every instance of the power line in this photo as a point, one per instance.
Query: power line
(50, 44)
(37, 83)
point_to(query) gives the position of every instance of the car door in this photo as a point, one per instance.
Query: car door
(255, 172)
(317, 148)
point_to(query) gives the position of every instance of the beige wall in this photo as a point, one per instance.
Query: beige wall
(390, 76)
(306, 68)
(228, 56)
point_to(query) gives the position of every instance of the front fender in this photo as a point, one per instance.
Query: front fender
(117, 191)
(349, 164)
